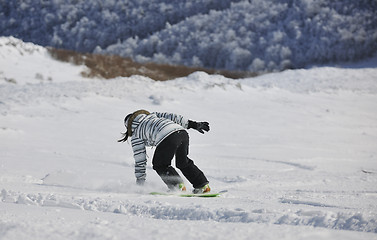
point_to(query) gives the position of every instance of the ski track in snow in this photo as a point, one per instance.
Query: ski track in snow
(162, 210)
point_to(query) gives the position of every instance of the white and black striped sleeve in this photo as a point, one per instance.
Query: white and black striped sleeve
(175, 118)
(140, 156)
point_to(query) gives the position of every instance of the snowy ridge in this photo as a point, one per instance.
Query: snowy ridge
(301, 81)
(9, 44)
(161, 210)
(24, 62)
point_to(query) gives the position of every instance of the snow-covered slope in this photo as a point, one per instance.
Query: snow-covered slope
(297, 152)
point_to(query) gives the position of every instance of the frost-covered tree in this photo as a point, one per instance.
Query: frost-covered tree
(254, 35)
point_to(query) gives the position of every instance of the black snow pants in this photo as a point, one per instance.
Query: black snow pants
(177, 144)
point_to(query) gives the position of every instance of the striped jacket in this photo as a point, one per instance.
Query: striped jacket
(151, 130)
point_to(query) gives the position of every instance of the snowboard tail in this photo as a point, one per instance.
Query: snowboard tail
(208, 195)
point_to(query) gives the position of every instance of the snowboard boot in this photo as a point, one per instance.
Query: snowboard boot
(204, 189)
(177, 188)
(182, 187)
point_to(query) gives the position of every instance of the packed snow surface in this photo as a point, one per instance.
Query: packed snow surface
(296, 150)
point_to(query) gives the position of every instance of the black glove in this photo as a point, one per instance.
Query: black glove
(140, 182)
(200, 126)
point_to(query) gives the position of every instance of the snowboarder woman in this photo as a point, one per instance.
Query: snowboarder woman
(167, 132)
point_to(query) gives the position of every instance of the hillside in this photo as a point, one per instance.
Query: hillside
(296, 150)
(252, 36)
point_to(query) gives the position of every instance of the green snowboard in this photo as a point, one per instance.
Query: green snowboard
(188, 194)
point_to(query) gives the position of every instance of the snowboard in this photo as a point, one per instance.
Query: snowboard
(208, 195)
